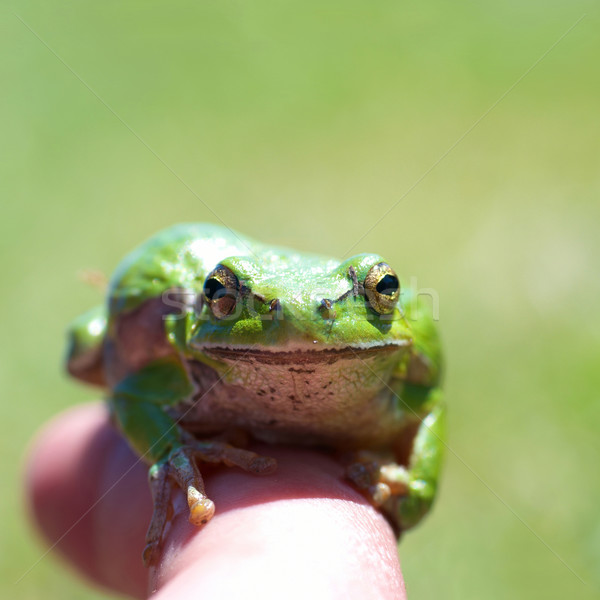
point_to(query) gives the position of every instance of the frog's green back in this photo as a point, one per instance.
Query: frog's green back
(179, 256)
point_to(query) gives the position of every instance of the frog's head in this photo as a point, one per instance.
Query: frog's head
(297, 303)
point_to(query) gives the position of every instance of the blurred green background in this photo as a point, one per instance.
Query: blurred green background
(303, 123)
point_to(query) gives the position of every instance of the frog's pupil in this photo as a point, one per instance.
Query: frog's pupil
(387, 285)
(213, 288)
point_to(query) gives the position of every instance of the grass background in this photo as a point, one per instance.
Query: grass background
(306, 124)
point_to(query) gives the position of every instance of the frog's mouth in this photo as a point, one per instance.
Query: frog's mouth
(301, 354)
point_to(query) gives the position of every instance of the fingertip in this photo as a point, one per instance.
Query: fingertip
(89, 495)
(303, 532)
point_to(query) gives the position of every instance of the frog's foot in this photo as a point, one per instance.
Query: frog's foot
(182, 466)
(403, 498)
(216, 451)
(377, 479)
(185, 471)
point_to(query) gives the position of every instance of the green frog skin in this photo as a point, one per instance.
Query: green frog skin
(207, 333)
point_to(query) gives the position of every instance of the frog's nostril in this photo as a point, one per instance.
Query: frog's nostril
(276, 310)
(326, 309)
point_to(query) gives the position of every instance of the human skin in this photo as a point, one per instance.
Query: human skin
(302, 532)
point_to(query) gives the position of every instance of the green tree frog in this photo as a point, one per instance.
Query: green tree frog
(207, 333)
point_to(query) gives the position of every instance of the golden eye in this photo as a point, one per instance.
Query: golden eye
(221, 291)
(382, 289)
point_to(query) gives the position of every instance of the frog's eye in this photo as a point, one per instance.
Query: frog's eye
(221, 291)
(382, 289)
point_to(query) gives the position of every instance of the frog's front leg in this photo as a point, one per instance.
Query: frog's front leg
(139, 403)
(405, 493)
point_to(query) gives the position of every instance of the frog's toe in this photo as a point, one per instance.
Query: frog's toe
(396, 477)
(363, 475)
(201, 508)
(151, 553)
(262, 465)
(379, 481)
(380, 493)
(393, 489)
(219, 452)
(408, 509)
(161, 489)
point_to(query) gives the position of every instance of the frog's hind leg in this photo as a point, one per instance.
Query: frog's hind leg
(160, 487)
(138, 404)
(405, 493)
(85, 339)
